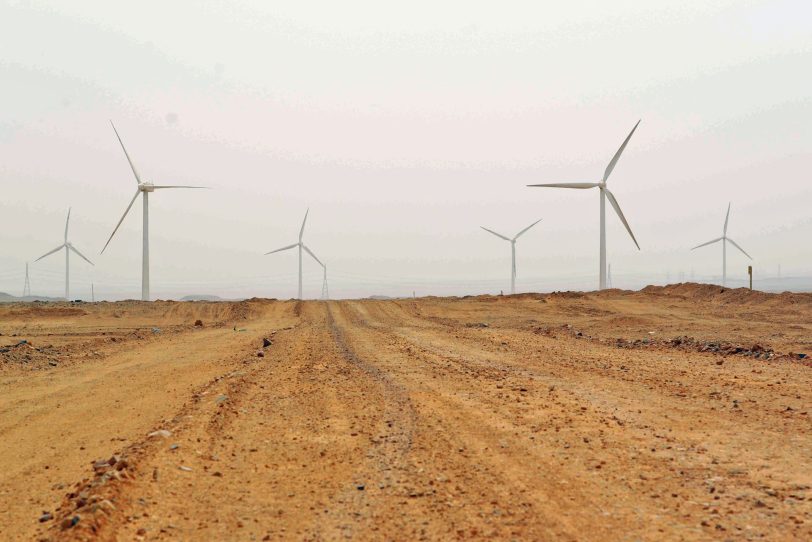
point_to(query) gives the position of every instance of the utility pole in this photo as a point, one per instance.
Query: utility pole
(27, 287)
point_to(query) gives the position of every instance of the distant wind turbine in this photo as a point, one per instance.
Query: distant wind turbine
(144, 187)
(301, 246)
(512, 252)
(608, 195)
(68, 246)
(724, 239)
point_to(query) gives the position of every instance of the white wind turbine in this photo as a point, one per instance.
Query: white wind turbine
(301, 246)
(724, 239)
(512, 252)
(144, 187)
(604, 194)
(68, 246)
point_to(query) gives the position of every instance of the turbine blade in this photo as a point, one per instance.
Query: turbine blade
(616, 157)
(301, 231)
(132, 166)
(614, 203)
(156, 187)
(80, 254)
(708, 243)
(496, 234)
(60, 247)
(313, 255)
(283, 248)
(127, 210)
(66, 225)
(737, 246)
(727, 216)
(527, 228)
(566, 185)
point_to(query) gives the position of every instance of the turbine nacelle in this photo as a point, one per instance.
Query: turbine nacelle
(146, 187)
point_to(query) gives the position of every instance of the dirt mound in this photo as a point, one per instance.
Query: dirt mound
(27, 312)
(721, 295)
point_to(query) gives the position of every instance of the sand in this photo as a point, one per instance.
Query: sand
(677, 413)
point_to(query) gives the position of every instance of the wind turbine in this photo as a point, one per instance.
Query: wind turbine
(724, 239)
(68, 246)
(512, 252)
(144, 187)
(301, 247)
(604, 194)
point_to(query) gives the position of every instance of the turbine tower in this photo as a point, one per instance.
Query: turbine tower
(512, 252)
(27, 286)
(604, 194)
(301, 247)
(68, 246)
(724, 239)
(144, 188)
(325, 290)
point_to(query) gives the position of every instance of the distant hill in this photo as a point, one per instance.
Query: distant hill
(8, 298)
(202, 298)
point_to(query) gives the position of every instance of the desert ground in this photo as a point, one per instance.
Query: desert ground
(673, 413)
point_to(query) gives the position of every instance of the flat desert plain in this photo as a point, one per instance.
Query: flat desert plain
(673, 413)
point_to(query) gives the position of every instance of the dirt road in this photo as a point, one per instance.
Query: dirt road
(660, 415)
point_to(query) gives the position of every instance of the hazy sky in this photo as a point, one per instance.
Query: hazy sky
(403, 127)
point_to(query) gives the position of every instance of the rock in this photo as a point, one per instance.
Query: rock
(67, 523)
(141, 532)
(260, 354)
(46, 516)
(198, 323)
(156, 330)
(184, 468)
(360, 487)
(160, 433)
(266, 342)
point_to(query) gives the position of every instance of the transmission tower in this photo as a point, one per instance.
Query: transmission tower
(27, 287)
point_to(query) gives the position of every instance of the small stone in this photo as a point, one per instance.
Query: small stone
(198, 323)
(160, 433)
(67, 523)
(155, 474)
(141, 532)
(266, 342)
(185, 468)
(260, 354)
(46, 516)
(360, 487)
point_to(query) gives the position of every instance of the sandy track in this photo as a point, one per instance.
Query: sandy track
(410, 420)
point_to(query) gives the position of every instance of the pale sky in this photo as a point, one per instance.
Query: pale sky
(403, 127)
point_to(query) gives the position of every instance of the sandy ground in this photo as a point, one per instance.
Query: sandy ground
(670, 414)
